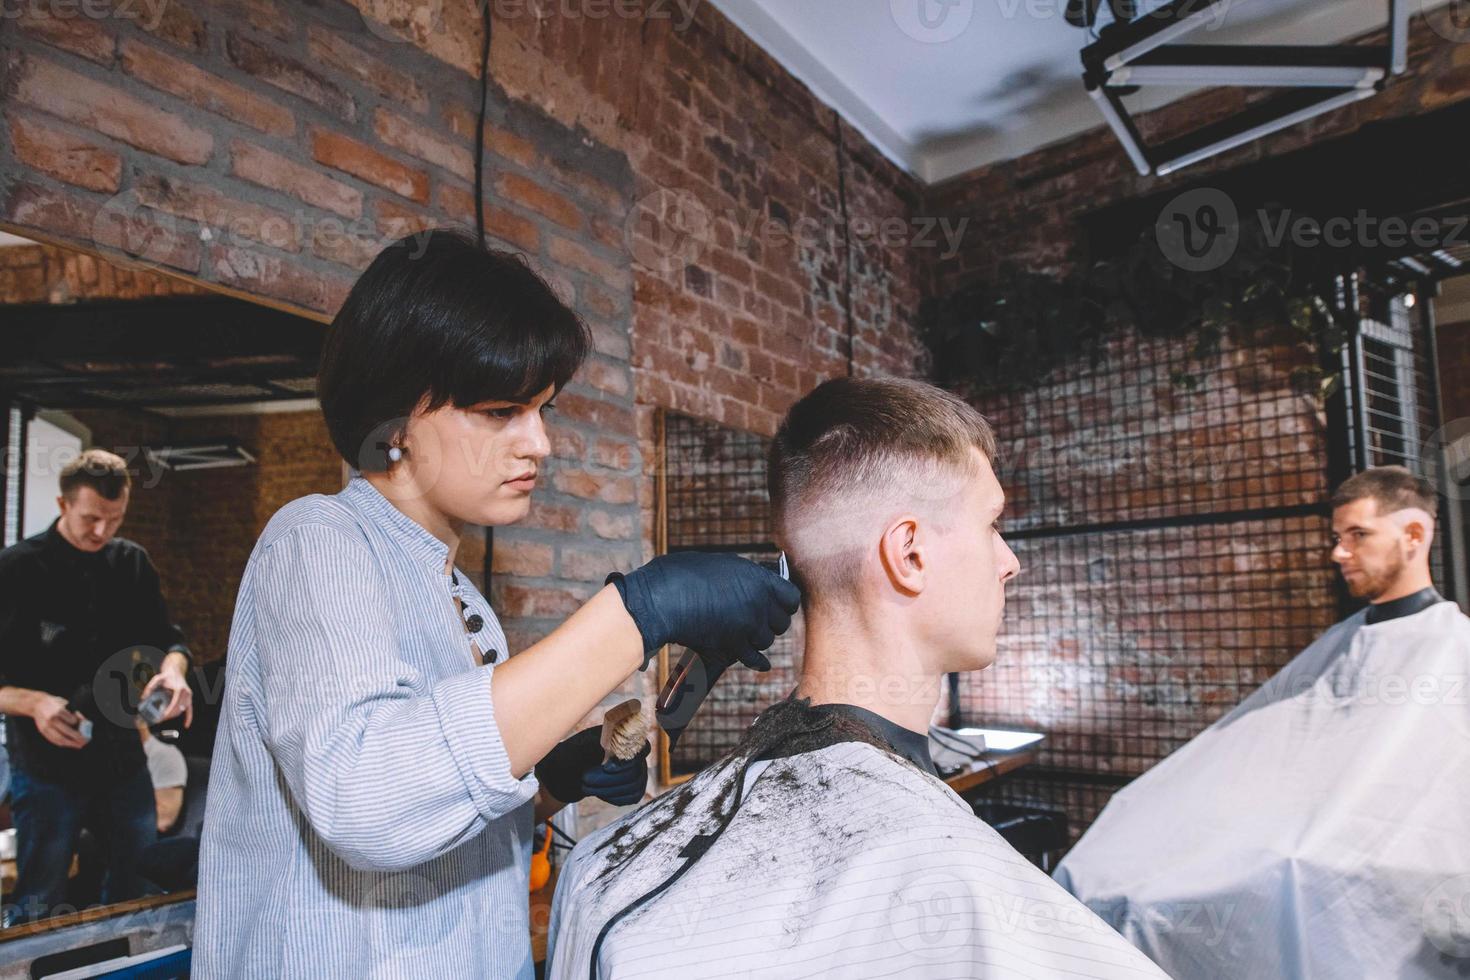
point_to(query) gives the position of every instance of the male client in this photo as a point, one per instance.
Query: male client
(1319, 829)
(825, 844)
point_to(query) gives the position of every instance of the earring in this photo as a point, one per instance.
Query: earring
(395, 453)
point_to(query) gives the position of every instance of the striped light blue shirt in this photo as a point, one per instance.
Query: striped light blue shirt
(362, 818)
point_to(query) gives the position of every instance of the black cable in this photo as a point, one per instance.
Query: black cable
(561, 833)
(480, 129)
(697, 847)
(958, 746)
(846, 242)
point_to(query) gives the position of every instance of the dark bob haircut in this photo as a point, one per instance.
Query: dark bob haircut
(436, 317)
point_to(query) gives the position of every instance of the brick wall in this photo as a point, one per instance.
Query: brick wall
(677, 185)
(269, 149)
(1123, 643)
(200, 526)
(47, 274)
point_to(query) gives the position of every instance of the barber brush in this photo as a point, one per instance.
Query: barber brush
(624, 730)
(688, 685)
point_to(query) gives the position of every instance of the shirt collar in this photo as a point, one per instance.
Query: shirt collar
(413, 536)
(1403, 606)
(56, 543)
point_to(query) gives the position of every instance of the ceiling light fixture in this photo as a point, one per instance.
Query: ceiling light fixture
(1134, 51)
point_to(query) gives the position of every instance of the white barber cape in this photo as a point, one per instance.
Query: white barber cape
(1321, 829)
(846, 861)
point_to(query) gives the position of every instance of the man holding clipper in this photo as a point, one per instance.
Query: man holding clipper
(70, 598)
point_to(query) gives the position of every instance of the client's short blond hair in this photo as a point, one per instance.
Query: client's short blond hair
(853, 447)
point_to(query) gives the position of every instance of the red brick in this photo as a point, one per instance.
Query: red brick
(420, 141)
(64, 156)
(345, 245)
(602, 416)
(571, 254)
(268, 275)
(178, 26)
(106, 110)
(566, 443)
(554, 517)
(614, 527)
(618, 456)
(231, 218)
(501, 142)
(533, 197)
(606, 487)
(331, 50)
(531, 601)
(527, 559)
(263, 15)
(209, 92)
(396, 221)
(79, 35)
(512, 229)
(611, 378)
(362, 161)
(608, 339)
(583, 565)
(268, 169)
(288, 76)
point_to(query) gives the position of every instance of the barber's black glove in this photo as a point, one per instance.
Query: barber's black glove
(725, 607)
(574, 771)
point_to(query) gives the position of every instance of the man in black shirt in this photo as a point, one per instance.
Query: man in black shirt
(79, 610)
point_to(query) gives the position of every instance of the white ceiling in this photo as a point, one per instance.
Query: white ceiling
(993, 79)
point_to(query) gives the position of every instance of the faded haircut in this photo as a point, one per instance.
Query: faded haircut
(854, 448)
(104, 472)
(1392, 487)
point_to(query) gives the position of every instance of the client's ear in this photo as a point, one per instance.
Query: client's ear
(901, 555)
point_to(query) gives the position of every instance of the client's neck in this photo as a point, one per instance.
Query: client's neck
(851, 659)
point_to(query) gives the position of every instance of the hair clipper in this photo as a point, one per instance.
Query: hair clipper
(691, 681)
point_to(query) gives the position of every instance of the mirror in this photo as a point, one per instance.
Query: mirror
(208, 401)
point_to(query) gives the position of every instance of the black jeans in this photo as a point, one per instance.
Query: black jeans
(118, 808)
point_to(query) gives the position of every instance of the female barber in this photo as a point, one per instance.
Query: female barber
(378, 764)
